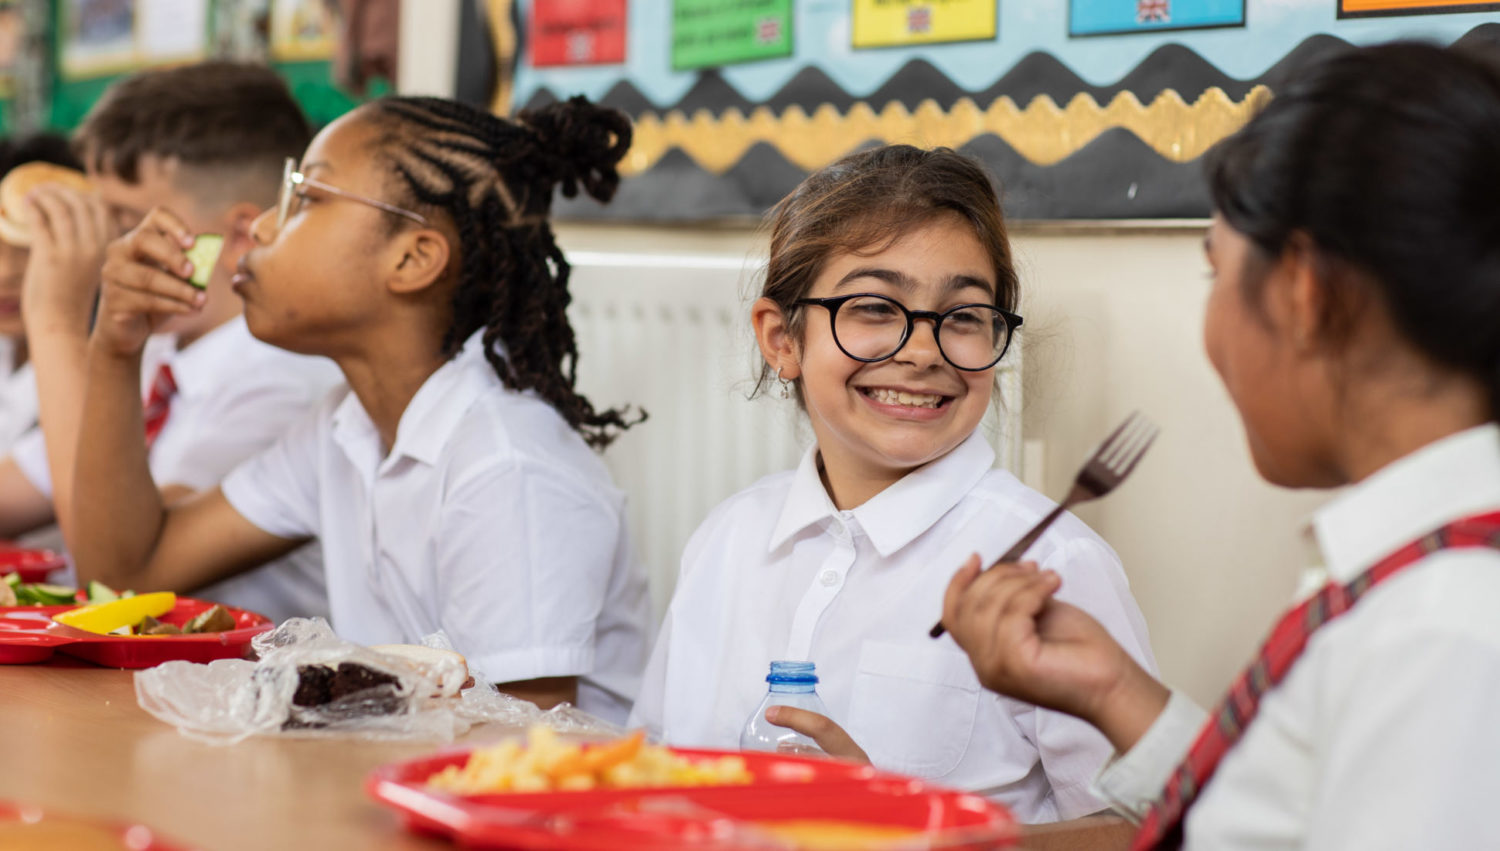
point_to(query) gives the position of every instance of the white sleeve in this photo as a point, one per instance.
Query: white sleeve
(277, 489)
(1071, 750)
(1411, 737)
(238, 422)
(524, 558)
(30, 455)
(1133, 780)
(650, 705)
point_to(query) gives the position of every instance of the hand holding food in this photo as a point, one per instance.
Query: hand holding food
(67, 225)
(146, 282)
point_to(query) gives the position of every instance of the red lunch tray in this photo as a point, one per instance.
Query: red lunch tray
(785, 788)
(28, 634)
(24, 826)
(32, 565)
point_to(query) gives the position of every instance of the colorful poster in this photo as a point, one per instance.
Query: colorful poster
(97, 37)
(892, 23)
(710, 33)
(302, 31)
(1368, 8)
(1116, 17)
(577, 32)
(11, 33)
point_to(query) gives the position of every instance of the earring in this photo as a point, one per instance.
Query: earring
(786, 386)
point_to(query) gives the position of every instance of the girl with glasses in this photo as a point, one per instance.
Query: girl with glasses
(1355, 321)
(888, 301)
(453, 486)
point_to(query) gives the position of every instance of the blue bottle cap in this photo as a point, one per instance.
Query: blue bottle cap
(792, 672)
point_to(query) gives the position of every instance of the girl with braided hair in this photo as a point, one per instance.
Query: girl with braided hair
(452, 485)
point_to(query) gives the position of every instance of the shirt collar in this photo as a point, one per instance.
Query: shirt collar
(430, 417)
(197, 366)
(1451, 478)
(894, 517)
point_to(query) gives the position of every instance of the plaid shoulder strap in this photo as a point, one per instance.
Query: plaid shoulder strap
(1162, 826)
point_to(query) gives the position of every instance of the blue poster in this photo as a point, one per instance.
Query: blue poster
(1115, 17)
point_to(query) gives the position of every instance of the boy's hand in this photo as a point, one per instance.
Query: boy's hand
(145, 282)
(821, 729)
(1026, 645)
(70, 230)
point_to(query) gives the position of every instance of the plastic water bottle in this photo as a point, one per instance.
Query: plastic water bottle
(792, 684)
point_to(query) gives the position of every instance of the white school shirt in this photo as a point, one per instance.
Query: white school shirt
(235, 396)
(18, 403)
(777, 572)
(1384, 734)
(490, 519)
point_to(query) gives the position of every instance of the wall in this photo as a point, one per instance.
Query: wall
(1113, 325)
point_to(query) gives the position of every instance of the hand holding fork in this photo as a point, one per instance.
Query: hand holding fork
(1102, 473)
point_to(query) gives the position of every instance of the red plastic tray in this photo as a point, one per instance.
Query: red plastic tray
(707, 817)
(32, 565)
(136, 837)
(28, 634)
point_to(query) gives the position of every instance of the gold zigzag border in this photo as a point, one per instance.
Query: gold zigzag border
(1043, 133)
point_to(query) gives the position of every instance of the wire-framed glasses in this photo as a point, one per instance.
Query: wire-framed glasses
(869, 328)
(291, 179)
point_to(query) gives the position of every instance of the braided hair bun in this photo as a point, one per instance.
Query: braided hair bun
(581, 143)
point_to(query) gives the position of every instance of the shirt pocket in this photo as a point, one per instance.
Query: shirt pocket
(913, 707)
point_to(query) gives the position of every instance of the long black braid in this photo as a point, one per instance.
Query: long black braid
(495, 179)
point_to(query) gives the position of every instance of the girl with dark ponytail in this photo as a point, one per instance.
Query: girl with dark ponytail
(452, 487)
(1355, 322)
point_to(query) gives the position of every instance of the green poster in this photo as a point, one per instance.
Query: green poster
(708, 33)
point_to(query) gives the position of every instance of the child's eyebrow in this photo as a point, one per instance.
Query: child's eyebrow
(316, 164)
(899, 279)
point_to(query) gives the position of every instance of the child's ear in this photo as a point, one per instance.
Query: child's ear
(422, 260)
(774, 336)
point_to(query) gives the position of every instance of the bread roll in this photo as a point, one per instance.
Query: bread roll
(18, 183)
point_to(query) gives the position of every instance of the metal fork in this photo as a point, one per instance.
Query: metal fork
(1102, 473)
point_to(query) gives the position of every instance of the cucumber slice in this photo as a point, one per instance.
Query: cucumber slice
(54, 595)
(26, 596)
(13, 579)
(101, 593)
(204, 255)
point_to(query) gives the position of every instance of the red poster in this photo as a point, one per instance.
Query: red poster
(577, 32)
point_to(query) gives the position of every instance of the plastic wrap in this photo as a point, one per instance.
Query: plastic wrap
(345, 690)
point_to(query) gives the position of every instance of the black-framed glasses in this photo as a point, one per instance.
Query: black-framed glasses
(291, 178)
(869, 328)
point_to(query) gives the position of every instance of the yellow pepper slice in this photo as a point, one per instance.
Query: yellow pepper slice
(105, 618)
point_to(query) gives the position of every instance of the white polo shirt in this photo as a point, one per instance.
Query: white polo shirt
(490, 519)
(18, 403)
(777, 572)
(1383, 734)
(235, 396)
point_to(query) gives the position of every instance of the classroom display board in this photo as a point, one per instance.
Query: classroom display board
(1083, 109)
(96, 42)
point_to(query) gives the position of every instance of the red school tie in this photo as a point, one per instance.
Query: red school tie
(1162, 826)
(159, 402)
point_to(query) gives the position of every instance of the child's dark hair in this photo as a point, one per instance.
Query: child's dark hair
(1388, 159)
(218, 116)
(875, 197)
(495, 180)
(41, 147)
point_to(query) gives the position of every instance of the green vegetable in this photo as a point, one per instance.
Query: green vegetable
(101, 593)
(204, 255)
(12, 579)
(54, 595)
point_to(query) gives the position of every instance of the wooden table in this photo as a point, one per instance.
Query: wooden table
(73, 739)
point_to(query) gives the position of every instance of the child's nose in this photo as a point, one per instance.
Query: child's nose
(922, 347)
(263, 229)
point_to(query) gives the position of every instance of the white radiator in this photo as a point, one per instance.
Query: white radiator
(671, 334)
